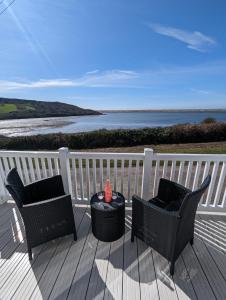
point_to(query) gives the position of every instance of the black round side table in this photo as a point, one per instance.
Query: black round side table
(108, 219)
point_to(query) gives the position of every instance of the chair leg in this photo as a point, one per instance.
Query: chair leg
(29, 253)
(172, 268)
(75, 235)
(132, 236)
(192, 241)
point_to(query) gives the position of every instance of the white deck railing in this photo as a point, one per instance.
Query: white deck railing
(84, 173)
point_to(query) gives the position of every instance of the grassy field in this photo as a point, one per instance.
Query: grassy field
(196, 148)
(7, 108)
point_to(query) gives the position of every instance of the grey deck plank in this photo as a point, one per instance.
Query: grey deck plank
(25, 269)
(49, 277)
(66, 275)
(33, 276)
(13, 281)
(9, 265)
(5, 208)
(97, 281)
(131, 280)
(81, 279)
(165, 283)
(217, 254)
(196, 274)
(148, 284)
(182, 281)
(31, 272)
(44, 286)
(211, 232)
(209, 267)
(113, 289)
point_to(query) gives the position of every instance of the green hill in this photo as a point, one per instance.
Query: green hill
(21, 109)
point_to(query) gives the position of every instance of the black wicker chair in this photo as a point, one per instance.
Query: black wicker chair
(46, 211)
(166, 222)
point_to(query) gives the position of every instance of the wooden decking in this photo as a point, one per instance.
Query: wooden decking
(90, 269)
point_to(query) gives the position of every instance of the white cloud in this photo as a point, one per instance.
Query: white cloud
(112, 78)
(195, 40)
(152, 78)
(198, 91)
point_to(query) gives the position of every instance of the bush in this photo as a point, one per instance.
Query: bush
(119, 138)
(209, 121)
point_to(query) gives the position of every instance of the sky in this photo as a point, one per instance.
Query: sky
(115, 54)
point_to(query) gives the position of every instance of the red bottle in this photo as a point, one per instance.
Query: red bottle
(107, 191)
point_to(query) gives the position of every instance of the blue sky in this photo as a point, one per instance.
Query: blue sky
(116, 54)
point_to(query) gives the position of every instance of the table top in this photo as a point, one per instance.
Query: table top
(102, 205)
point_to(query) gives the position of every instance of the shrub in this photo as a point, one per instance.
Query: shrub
(209, 121)
(119, 138)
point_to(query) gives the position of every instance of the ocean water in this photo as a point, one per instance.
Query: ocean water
(112, 120)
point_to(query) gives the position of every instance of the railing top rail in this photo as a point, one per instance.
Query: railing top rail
(189, 157)
(103, 155)
(4, 153)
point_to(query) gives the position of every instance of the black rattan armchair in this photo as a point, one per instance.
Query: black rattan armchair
(45, 208)
(166, 222)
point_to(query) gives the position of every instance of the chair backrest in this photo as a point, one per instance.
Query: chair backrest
(191, 200)
(15, 187)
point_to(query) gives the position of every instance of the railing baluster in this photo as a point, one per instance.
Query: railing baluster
(11, 163)
(18, 166)
(223, 205)
(101, 175)
(31, 168)
(43, 164)
(181, 172)
(129, 179)
(220, 184)
(94, 176)
(87, 179)
(115, 174)
(122, 175)
(156, 179)
(3, 191)
(197, 172)
(189, 171)
(211, 187)
(136, 177)
(81, 178)
(74, 179)
(56, 166)
(108, 169)
(6, 165)
(205, 173)
(37, 168)
(165, 167)
(25, 171)
(173, 169)
(50, 168)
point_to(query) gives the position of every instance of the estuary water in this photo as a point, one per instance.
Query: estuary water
(111, 120)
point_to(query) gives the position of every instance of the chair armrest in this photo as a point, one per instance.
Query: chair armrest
(171, 191)
(44, 189)
(154, 225)
(45, 201)
(158, 211)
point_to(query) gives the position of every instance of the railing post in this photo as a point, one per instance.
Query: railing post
(145, 190)
(65, 169)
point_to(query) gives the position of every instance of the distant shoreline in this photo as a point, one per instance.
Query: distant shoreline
(220, 110)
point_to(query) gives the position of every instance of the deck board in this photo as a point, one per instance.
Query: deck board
(90, 269)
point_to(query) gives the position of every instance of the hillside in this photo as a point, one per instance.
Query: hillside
(22, 109)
